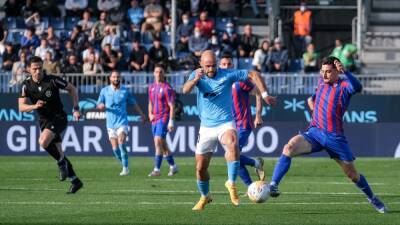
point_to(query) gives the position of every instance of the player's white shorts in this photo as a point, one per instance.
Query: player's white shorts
(210, 136)
(115, 132)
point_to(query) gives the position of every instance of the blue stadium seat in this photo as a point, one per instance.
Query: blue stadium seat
(71, 22)
(11, 22)
(20, 23)
(220, 24)
(245, 63)
(57, 23)
(147, 46)
(165, 37)
(16, 36)
(126, 50)
(147, 38)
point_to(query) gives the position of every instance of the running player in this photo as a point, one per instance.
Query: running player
(244, 121)
(329, 103)
(43, 91)
(114, 99)
(161, 115)
(214, 101)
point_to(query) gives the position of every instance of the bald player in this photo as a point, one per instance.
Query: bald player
(214, 101)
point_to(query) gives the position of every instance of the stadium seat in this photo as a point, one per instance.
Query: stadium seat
(245, 63)
(20, 23)
(147, 38)
(71, 22)
(220, 24)
(16, 36)
(57, 23)
(11, 23)
(165, 37)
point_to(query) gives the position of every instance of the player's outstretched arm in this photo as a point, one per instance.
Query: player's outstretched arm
(191, 83)
(258, 118)
(310, 102)
(75, 100)
(352, 79)
(23, 105)
(256, 78)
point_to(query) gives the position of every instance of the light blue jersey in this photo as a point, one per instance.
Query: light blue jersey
(214, 96)
(115, 102)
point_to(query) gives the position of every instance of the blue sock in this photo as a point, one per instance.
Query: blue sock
(244, 175)
(281, 169)
(158, 161)
(363, 185)
(247, 161)
(117, 154)
(124, 155)
(204, 187)
(233, 169)
(170, 160)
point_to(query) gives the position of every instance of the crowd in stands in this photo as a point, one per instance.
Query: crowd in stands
(100, 36)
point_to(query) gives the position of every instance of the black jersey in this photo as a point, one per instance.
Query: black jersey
(46, 90)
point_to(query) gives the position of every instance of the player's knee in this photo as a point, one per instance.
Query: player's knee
(229, 139)
(289, 149)
(43, 142)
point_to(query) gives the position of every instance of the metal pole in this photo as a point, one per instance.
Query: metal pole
(173, 27)
(360, 22)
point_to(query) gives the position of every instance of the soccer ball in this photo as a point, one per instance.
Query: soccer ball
(258, 192)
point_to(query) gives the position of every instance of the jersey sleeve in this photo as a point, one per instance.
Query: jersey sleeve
(131, 99)
(320, 81)
(170, 94)
(192, 75)
(59, 82)
(101, 99)
(23, 93)
(150, 94)
(238, 75)
(351, 84)
(246, 85)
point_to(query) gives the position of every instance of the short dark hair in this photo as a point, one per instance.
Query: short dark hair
(160, 66)
(34, 59)
(226, 55)
(330, 60)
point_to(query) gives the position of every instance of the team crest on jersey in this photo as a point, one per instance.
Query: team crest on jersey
(48, 93)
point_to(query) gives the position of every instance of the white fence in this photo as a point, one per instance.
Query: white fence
(287, 83)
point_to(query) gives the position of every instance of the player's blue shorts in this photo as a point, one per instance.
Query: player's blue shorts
(336, 145)
(243, 135)
(159, 129)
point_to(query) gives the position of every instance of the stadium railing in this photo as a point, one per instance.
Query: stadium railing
(285, 83)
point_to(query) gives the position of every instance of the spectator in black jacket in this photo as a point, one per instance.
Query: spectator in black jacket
(158, 54)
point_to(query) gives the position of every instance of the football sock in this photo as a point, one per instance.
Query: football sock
(71, 172)
(363, 185)
(204, 187)
(157, 162)
(244, 174)
(281, 169)
(247, 161)
(117, 154)
(170, 160)
(53, 151)
(124, 155)
(233, 169)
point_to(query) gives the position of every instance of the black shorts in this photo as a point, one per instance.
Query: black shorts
(57, 125)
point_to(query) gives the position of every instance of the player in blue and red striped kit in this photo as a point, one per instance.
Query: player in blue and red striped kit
(161, 115)
(244, 121)
(329, 103)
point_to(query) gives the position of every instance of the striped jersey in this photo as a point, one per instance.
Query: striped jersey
(241, 105)
(330, 104)
(160, 94)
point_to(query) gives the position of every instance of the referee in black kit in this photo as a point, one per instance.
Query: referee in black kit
(43, 92)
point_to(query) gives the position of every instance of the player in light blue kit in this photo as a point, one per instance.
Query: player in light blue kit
(214, 102)
(114, 99)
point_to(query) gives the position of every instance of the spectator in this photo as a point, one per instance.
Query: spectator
(48, 8)
(9, 57)
(135, 14)
(28, 9)
(205, 24)
(78, 38)
(279, 57)
(111, 38)
(138, 59)
(90, 50)
(255, 9)
(42, 50)
(133, 33)
(30, 40)
(97, 33)
(158, 54)
(19, 69)
(153, 14)
(214, 45)
(310, 58)
(68, 50)
(53, 41)
(50, 65)
(107, 5)
(345, 53)
(35, 21)
(92, 65)
(248, 42)
(262, 57)
(194, 7)
(85, 22)
(109, 59)
(74, 8)
(197, 42)
(302, 29)
(73, 65)
(184, 31)
(3, 36)
(230, 40)
(12, 8)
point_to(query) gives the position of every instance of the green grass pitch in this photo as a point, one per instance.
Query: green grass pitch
(314, 192)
